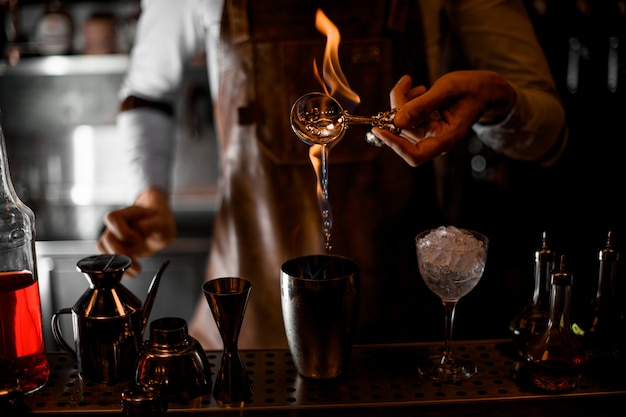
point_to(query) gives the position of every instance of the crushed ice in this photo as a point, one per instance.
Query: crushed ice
(451, 249)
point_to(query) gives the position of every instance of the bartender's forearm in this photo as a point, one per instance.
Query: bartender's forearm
(148, 135)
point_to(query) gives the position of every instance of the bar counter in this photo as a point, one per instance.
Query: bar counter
(381, 380)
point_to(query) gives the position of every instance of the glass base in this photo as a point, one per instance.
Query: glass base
(237, 404)
(450, 370)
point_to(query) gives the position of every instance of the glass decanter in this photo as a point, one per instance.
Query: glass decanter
(532, 320)
(555, 360)
(23, 361)
(602, 325)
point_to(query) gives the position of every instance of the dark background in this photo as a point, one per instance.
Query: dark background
(577, 202)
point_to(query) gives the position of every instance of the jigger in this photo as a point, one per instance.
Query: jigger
(227, 298)
(319, 119)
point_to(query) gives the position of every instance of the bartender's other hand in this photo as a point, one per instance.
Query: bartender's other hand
(139, 230)
(434, 120)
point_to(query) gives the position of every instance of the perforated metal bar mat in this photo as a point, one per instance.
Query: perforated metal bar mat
(377, 376)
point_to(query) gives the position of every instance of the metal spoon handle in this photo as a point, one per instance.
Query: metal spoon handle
(358, 120)
(383, 120)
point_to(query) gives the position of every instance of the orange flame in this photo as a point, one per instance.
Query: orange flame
(333, 76)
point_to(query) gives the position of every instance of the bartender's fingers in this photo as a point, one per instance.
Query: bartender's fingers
(109, 244)
(123, 226)
(402, 92)
(414, 153)
(422, 108)
(122, 235)
(158, 230)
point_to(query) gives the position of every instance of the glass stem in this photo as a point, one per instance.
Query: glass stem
(450, 308)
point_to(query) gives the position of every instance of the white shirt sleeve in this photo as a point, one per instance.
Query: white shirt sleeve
(536, 115)
(169, 34)
(147, 137)
(498, 36)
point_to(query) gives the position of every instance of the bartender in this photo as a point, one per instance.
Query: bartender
(260, 57)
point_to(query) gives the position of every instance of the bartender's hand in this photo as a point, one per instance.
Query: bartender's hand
(139, 230)
(434, 120)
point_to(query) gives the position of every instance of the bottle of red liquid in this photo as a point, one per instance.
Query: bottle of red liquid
(23, 360)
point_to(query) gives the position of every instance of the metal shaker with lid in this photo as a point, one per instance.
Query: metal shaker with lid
(173, 361)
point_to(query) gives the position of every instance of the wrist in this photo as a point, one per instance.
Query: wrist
(153, 197)
(503, 99)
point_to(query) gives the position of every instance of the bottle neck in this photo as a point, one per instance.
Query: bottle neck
(54, 6)
(543, 267)
(560, 295)
(606, 278)
(4, 165)
(15, 211)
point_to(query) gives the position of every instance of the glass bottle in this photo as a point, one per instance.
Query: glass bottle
(602, 329)
(532, 320)
(54, 31)
(555, 360)
(23, 361)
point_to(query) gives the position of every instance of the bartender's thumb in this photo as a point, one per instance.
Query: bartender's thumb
(158, 230)
(122, 224)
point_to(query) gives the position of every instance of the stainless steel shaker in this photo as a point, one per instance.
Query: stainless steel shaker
(319, 298)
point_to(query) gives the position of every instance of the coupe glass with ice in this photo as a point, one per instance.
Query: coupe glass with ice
(451, 261)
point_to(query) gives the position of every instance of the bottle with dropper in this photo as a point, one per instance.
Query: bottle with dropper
(555, 360)
(602, 327)
(532, 320)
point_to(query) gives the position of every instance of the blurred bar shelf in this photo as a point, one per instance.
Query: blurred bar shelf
(67, 65)
(381, 380)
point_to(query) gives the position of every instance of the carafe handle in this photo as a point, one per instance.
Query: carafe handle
(56, 330)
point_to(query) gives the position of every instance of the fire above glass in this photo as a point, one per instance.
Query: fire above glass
(319, 119)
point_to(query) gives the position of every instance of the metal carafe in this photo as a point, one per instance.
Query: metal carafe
(108, 321)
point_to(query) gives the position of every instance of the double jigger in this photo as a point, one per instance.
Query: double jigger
(227, 298)
(174, 366)
(319, 119)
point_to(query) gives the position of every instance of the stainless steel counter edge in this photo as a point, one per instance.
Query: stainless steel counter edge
(88, 247)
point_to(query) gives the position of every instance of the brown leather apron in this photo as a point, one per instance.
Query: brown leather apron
(269, 210)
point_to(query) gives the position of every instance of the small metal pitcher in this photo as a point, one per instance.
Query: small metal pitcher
(108, 321)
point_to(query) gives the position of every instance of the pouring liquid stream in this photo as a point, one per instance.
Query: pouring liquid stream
(319, 159)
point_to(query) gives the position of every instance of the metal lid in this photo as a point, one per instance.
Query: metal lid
(169, 331)
(103, 263)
